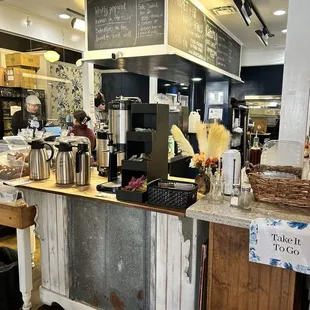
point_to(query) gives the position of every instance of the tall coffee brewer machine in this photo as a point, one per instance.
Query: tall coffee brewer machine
(119, 124)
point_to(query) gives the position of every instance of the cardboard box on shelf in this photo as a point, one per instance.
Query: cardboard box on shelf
(23, 60)
(2, 80)
(15, 77)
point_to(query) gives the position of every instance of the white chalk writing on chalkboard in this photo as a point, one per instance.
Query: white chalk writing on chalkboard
(125, 23)
(193, 32)
(149, 19)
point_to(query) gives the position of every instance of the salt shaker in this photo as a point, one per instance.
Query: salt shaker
(235, 195)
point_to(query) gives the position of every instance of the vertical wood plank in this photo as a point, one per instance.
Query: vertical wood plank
(234, 291)
(275, 301)
(210, 265)
(153, 261)
(42, 201)
(53, 242)
(253, 278)
(44, 242)
(161, 261)
(62, 237)
(189, 261)
(287, 293)
(264, 283)
(243, 269)
(244, 285)
(174, 263)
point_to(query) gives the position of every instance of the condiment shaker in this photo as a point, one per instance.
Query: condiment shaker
(235, 195)
(245, 197)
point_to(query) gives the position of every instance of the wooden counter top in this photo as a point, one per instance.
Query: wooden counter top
(89, 192)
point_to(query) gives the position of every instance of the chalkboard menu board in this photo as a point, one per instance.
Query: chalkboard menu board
(191, 31)
(124, 23)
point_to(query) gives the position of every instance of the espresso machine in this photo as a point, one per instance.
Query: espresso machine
(119, 124)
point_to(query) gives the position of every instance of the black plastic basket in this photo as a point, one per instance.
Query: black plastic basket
(171, 197)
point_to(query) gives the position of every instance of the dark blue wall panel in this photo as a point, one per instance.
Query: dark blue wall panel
(125, 84)
(264, 80)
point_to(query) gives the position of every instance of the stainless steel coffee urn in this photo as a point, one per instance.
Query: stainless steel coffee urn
(82, 162)
(39, 164)
(64, 164)
(120, 120)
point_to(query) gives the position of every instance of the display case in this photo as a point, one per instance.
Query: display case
(12, 99)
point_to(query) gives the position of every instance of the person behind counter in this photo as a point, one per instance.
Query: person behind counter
(80, 127)
(101, 109)
(29, 117)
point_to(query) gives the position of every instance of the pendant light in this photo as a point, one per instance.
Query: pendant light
(51, 56)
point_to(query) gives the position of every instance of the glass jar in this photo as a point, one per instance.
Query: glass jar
(246, 197)
(216, 195)
(235, 196)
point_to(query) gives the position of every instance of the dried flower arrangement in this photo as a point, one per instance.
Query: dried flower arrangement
(211, 146)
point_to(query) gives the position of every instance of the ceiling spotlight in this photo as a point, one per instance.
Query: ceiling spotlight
(279, 12)
(284, 31)
(263, 36)
(51, 56)
(78, 24)
(245, 9)
(184, 88)
(196, 79)
(167, 85)
(64, 16)
(182, 84)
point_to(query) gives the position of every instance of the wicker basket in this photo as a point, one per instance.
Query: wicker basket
(292, 192)
(171, 197)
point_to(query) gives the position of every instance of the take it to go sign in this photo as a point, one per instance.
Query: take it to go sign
(280, 243)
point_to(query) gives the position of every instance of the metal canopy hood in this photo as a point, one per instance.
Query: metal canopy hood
(164, 61)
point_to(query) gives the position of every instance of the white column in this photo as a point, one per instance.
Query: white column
(296, 79)
(153, 89)
(88, 90)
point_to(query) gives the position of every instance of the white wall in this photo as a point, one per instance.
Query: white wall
(264, 57)
(13, 20)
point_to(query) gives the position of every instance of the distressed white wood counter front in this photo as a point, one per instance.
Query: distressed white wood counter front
(101, 254)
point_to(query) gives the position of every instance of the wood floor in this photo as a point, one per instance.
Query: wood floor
(36, 273)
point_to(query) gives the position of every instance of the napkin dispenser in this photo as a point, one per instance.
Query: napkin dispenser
(231, 169)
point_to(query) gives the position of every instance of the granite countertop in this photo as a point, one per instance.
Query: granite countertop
(227, 215)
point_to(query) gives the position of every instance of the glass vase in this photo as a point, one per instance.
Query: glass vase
(204, 182)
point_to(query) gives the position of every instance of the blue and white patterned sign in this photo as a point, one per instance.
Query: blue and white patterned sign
(281, 244)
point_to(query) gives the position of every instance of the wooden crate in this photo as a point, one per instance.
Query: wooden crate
(17, 216)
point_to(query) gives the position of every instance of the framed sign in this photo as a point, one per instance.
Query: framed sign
(215, 113)
(281, 244)
(216, 98)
